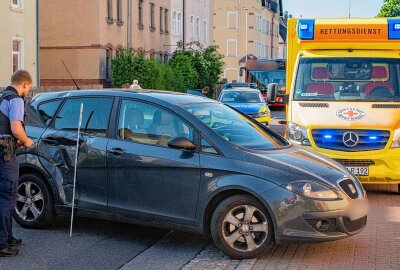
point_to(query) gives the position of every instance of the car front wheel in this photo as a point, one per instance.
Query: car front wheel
(241, 227)
(35, 204)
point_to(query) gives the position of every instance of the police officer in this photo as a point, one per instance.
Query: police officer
(12, 134)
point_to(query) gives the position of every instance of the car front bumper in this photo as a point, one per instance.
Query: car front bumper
(302, 219)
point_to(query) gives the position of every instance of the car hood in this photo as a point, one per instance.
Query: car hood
(295, 164)
(247, 108)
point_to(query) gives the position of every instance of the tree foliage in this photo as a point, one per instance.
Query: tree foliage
(390, 8)
(192, 68)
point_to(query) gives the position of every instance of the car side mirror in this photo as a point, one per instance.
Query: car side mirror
(272, 91)
(181, 143)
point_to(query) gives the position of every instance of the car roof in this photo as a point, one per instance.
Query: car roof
(242, 89)
(175, 98)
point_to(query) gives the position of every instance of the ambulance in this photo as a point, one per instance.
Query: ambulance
(344, 102)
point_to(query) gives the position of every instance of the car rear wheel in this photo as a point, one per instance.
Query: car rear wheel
(241, 227)
(35, 204)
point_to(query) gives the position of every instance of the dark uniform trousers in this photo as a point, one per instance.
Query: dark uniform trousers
(9, 174)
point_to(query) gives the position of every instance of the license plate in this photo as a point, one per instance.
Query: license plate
(362, 171)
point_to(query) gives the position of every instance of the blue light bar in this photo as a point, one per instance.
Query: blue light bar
(373, 137)
(394, 28)
(305, 29)
(328, 136)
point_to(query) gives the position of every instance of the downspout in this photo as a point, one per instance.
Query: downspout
(272, 35)
(184, 25)
(129, 34)
(37, 43)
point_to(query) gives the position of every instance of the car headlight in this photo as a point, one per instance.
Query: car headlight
(312, 190)
(298, 134)
(396, 139)
(263, 111)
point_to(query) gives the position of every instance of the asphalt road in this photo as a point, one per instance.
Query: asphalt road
(101, 245)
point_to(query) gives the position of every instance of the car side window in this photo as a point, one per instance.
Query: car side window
(206, 147)
(148, 124)
(95, 117)
(47, 110)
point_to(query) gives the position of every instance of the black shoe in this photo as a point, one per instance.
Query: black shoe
(14, 242)
(8, 252)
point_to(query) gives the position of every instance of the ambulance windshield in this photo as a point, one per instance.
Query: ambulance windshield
(348, 79)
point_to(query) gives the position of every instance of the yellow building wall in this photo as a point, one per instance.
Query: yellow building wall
(18, 23)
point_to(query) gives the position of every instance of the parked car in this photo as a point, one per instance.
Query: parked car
(249, 101)
(181, 162)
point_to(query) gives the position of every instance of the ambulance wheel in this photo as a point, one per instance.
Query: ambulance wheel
(35, 202)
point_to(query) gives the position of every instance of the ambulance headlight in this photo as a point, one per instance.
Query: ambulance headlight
(298, 134)
(396, 139)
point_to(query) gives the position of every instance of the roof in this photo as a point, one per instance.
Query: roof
(166, 96)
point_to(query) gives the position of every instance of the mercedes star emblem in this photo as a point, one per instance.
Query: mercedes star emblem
(350, 139)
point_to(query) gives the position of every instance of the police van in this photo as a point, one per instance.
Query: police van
(344, 79)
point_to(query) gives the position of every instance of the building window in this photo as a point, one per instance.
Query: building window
(166, 20)
(205, 31)
(174, 24)
(198, 28)
(152, 17)
(16, 4)
(161, 20)
(140, 11)
(232, 20)
(231, 47)
(110, 18)
(17, 55)
(179, 25)
(108, 64)
(191, 26)
(119, 13)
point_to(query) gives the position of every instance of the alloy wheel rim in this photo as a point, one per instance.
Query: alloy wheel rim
(30, 201)
(245, 228)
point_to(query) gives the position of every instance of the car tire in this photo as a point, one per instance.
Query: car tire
(35, 203)
(248, 237)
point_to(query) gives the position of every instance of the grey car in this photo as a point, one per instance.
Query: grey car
(182, 162)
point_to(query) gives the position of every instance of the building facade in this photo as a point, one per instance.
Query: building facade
(18, 40)
(245, 29)
(197, 17)
(84, 35)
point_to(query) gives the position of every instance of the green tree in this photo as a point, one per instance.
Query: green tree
(390, 8)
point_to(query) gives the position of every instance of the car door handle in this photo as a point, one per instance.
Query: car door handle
(51, 141)
(117, 151)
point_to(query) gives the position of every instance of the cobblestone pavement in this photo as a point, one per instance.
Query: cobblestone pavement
(376, 247)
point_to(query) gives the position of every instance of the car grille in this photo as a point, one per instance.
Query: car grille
(349, 188)
(386, 106)
(330, 225)
(314, 105)
(356, 162)
(365, 142)
(355, 225)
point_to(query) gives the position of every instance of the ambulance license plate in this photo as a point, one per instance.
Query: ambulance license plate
(361, 171)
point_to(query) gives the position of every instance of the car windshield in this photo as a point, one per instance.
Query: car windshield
(235, 127)
(348, 79)
(241, 96)
(266, 77)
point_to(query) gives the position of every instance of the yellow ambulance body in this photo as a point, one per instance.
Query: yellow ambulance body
(344, 81)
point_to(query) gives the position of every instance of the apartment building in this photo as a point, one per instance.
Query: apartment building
(18, 39)
(79, 37)
(84, 35)
(197, 17)
(245, 29)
